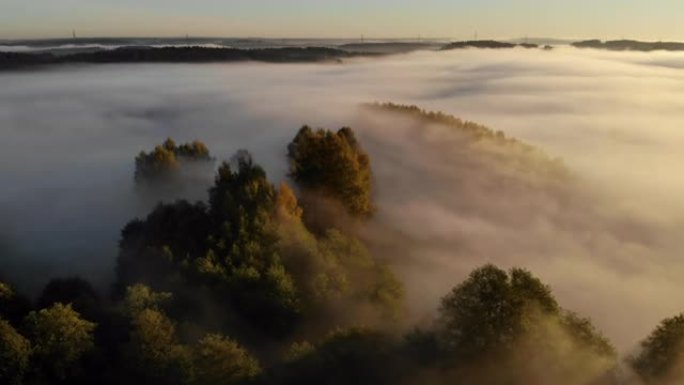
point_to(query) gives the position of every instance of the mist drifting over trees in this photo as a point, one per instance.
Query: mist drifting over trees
(263, 266)
(243, 289)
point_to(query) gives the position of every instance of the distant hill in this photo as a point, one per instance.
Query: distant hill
(486, 44)
(9, 60)
(630, 45)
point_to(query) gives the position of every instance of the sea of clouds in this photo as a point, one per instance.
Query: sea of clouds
(68, 137)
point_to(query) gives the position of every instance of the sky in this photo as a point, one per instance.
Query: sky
(453, 19)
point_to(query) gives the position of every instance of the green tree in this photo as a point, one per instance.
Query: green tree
(511, 322)
(487, 311)
(15, 351)
(218, 360)
(152, 250)
(158, 356)
(242, 203)
(661, 359)
(244, 252)
(332, 165)
(60, 338)
(154, 339)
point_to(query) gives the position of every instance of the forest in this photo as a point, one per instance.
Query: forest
(195, 54)
(264, 283)
(630, 45)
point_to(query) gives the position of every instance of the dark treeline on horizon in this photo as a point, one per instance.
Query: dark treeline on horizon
(289, 54)
(266, 284)
(630, 45)
(9, 60)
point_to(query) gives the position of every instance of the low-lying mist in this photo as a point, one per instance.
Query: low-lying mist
(608, 243)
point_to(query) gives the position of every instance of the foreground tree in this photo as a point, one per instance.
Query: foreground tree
(489, 310)
(15, 351)
(60, 338)
(509, 321)
(154, 353)
(218, 360)
(157, 354)
(661, 360)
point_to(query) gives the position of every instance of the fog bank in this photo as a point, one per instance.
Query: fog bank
(608, 244)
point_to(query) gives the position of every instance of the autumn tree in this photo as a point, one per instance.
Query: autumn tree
(167, 160)
(332, 165)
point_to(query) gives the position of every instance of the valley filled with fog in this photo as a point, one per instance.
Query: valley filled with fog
(608, 241)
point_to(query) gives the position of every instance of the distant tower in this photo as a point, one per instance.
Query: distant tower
(73, 34)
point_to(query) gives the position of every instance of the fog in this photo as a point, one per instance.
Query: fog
(608, 243)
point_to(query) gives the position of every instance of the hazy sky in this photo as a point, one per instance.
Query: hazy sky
(654, 19)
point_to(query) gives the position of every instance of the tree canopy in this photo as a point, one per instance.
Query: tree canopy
(241, 289)
(251, 248)
(165, 162)
(334, 165)
(59, 338)
(221, 361)
(661, 359)
(511, 319)
(15, 351)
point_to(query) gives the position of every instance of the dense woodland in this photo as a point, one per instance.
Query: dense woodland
(266, 284)
(630, 45)
(10, 60)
